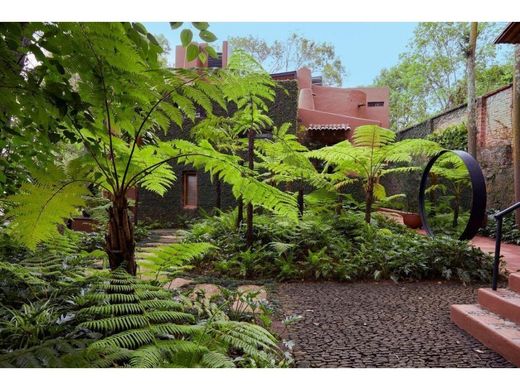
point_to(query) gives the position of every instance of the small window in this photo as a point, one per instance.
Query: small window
(376, 104)
(190, 190)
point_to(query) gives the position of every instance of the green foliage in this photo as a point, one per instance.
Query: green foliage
(173, 259)
(152, 330)
(430, 76)
(372, 154)
(453, 137)
(335, 247)
(142, 98)
(55, 311)
(41, 206)
(510, 232)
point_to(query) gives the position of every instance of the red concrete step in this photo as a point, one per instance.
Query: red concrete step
(495, 332)
(504, 302)
(514, 282)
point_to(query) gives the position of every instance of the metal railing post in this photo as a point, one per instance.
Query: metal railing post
(498, 239)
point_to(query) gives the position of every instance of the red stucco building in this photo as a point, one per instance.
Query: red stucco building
(329, 114)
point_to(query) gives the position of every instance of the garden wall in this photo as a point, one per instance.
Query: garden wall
(169, 209)
(494, 146)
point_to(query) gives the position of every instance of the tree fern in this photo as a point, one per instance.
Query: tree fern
(371, 153)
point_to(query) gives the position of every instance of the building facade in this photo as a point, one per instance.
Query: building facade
(321, 115)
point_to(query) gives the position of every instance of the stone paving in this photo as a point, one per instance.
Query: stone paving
(380, 325)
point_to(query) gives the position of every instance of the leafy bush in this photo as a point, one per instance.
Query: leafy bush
(510, 232)
(56, 311)
(453, 137)
(334, 247)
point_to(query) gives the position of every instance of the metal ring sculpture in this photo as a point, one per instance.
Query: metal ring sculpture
(478, 190)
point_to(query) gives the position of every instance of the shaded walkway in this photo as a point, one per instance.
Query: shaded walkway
(381, 325)
(510, 252)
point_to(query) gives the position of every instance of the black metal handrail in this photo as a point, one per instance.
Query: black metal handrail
(498, 239)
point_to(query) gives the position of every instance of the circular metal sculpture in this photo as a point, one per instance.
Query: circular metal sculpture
(478, 194)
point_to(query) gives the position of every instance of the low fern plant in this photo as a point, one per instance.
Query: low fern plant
(141, 325)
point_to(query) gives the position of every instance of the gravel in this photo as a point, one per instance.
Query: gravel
(380, 324)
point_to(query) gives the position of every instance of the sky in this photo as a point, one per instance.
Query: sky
(364, 48)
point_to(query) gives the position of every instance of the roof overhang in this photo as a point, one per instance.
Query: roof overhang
(511, 34)
(329, 127)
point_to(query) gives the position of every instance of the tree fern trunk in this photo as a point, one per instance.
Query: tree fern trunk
(218, 193)
(369, 200)
(120, 245)
(301, 202)
(240, 212)
(339, 203)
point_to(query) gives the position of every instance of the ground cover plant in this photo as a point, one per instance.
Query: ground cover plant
(58, 311)
(510, 232)
(334, 247)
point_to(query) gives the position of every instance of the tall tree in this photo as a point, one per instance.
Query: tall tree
(472, 102)
(293, 53)
(431, 74)
(165, 45)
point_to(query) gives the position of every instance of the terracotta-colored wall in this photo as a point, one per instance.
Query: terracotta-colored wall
(305, 99)
(331, 105)
(338, 100)
(382, 114)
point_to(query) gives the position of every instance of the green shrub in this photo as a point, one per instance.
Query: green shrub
(56, 311)
(510, 232)
(334, 248)
(454, 137)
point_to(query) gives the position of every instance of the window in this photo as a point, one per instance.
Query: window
(189, 190)
(376, 104)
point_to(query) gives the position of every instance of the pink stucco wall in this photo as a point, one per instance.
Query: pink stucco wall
(331, 105)
(381, 114)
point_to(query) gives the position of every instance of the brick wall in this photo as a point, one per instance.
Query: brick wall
(494, 143)
(168, 209)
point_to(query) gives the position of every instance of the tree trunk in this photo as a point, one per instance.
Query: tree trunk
(240, 212)
(120, 245)
(472, 109)
(249, 234)
(369, 200)
(339, 203)
(456, 210)
(251, 165)
(218, 191)
(516, 130)
(301, 202)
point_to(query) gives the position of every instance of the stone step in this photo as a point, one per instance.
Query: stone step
(514, 282)
(492, 330)
(504, 302)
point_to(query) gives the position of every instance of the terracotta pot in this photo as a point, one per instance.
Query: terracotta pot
(84, 224)
(412, 220)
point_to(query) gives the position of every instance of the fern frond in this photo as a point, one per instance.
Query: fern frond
(39, 207)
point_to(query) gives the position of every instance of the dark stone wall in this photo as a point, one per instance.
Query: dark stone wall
(168, 210)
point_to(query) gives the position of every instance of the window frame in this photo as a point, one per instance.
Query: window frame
(185, 190)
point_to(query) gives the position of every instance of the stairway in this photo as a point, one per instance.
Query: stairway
(495, 320)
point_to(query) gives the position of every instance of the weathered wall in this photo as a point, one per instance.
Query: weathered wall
(494, 144)
(169, 209)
